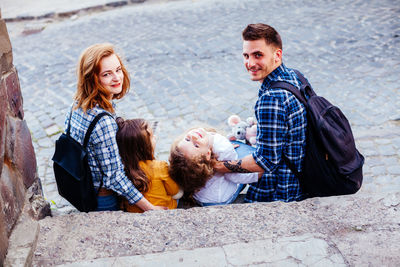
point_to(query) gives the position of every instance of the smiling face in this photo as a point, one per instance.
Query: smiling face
(110, 75)
(260, 59)
(195, 143)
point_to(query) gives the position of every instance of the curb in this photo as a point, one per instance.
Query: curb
(66, 14)
(23, 239)
(267, 251)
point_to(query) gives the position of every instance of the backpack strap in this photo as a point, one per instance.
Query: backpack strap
(92, 125)
(87, 136)
(296, 92)
(291, 88)
(301, 96)
(302, 93)
(305, 87)
(301, 77)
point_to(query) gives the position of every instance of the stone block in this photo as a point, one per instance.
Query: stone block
(14, 94)
(3, 111)
(38, 206)
(12, 192)
(20, 151)
(5, 49)
(22, 243)
(3, 237)
(23, 239)
(5, 44)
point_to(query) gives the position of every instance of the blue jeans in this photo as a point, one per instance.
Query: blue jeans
(243, 149)
(107, 203)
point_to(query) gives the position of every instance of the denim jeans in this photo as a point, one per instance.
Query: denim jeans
(107, 203)
(243, 149)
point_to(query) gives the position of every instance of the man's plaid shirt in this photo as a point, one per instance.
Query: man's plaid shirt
(281, 130)
(103, 151)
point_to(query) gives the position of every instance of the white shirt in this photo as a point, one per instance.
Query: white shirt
(222, 186)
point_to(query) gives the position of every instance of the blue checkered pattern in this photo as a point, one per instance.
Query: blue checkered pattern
(103, 152)
(281, 130)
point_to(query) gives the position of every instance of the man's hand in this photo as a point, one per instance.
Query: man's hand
(219, 167)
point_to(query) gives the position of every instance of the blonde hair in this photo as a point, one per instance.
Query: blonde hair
(89, 90)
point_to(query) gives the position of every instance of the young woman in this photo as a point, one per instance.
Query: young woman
(192, 159)
(136, 144)
(102, 77)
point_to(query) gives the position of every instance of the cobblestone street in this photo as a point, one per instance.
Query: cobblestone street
(185, 61)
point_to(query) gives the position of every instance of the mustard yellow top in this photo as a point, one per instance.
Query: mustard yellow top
(161, 187)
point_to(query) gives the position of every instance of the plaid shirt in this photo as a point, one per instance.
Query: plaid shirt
(103, 152)
(281, 130)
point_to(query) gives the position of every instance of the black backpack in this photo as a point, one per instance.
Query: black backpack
(332, 164)
(72, 171)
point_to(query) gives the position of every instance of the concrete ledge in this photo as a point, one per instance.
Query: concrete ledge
(347, 230)
(24, 236)
(22, 242)
(285, 251)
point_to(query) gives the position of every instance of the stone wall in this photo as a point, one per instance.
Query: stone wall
(17, 157)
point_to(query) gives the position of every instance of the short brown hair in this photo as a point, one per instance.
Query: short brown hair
(191, 174)
(89, 90)
(262, 31)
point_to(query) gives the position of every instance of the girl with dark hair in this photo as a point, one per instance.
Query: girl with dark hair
(136, 143)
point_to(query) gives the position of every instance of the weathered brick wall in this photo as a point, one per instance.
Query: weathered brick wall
(17, 156)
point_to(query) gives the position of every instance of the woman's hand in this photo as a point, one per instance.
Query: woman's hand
(159, 208)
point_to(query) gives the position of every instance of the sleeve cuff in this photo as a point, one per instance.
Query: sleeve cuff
(135, 198)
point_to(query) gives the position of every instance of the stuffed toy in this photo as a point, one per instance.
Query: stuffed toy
(245, 131)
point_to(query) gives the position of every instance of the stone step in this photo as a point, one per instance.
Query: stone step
(345, 230)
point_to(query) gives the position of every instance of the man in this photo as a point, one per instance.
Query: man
(281, 129)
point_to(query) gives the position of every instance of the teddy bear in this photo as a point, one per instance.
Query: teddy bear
(245, 131)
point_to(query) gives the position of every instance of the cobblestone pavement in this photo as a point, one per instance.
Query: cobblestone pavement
(186, 66)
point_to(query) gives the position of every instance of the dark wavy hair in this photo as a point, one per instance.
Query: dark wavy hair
(259, 31)
(191, 174)
(134, 144)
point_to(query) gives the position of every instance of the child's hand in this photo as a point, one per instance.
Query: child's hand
(235, 145)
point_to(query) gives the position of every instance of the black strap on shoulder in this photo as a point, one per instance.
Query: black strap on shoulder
(291, 88)
(301, 77)
(87, 136)
(305, 88)
(92, 125)
(300, 95)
